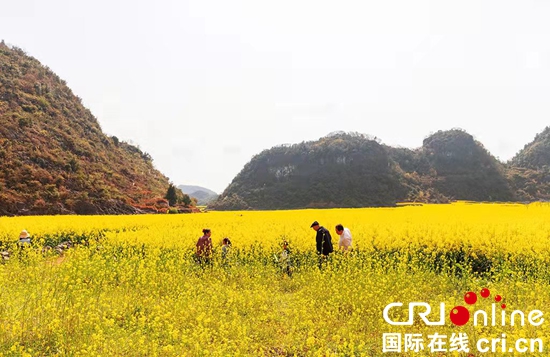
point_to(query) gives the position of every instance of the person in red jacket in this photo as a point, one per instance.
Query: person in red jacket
(204, 247)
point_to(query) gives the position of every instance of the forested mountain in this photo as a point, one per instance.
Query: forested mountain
(353, 170)
(54, 158)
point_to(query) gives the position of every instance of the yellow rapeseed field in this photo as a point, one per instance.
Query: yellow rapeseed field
(130, 286)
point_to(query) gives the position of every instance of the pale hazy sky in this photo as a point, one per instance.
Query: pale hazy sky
(204, 85)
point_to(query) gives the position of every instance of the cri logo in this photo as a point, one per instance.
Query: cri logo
(460, 315)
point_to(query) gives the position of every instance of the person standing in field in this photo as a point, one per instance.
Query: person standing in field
(284, 260)
(24, 238)
(345, 237)
(226, 244)
(204, 247)
(324, 242)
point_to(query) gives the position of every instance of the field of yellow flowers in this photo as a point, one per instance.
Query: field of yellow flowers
(130, 286)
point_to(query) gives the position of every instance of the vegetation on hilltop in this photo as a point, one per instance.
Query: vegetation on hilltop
(54, 158)
(530, 169)
(339, 170)
(536, 154)
(462, 168)
(353, 170)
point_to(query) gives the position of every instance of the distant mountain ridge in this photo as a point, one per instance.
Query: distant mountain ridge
(203, 195)
(192, 188)
(355, 170)
(54, 158)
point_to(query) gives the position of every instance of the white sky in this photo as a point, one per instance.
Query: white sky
(204, 85)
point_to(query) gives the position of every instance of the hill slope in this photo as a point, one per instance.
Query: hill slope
(54, 158)
(536, 154)
(530, 169)
(459, 167)
(335, 171)
(351, 170)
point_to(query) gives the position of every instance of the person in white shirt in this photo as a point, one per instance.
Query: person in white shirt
(345, 237)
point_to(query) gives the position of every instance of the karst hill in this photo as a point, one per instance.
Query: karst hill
(355, 170)
(54, 157)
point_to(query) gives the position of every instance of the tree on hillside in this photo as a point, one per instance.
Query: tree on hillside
(187, 200)
(175, 196)
(171, 195)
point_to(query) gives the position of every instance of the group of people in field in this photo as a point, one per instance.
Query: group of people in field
(323, 240)
(204, 247)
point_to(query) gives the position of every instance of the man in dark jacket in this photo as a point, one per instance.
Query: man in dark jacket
(324, 240)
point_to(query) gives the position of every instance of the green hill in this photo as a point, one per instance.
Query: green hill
(348, 170)
(351, 170)
(463, 169)
(536, 154)
(54, 158)
(530, 169)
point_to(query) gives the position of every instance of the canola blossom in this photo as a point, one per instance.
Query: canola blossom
(130, 285)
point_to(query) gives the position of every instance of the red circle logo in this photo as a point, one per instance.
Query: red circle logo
(459, 315)
(470, 298)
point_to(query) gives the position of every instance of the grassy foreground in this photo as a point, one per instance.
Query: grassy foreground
(131, 287)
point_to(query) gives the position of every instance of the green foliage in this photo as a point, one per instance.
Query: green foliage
(72, 165)
(175, 196)
(186, 200)
(24, 122)
(171, 195)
